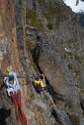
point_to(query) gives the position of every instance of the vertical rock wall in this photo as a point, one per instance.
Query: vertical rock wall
(11, 34)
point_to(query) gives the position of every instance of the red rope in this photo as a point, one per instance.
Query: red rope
(17, 101)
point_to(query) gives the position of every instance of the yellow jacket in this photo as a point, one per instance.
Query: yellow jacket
(39, 82)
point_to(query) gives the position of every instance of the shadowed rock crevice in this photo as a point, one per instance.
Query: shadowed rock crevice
(4, 114)
(36, 55)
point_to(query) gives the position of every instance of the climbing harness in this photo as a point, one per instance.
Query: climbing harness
(14, 91)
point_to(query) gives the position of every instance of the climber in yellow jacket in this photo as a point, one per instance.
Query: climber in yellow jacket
(39, 83)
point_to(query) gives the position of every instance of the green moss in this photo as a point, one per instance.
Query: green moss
(31, 13)
(77, 86)
(72, 40)
(65, 56)
(77, 58)
(1, 56)
(72, 43)
(55, 12)
(70, 66)
(57, 15)
(29, 45)
(9, 68)
(50, 26)
(33, 20)
(70, 54)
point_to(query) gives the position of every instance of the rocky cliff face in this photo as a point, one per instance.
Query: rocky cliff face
(46, 37)
(56, 44)
(11, 25)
